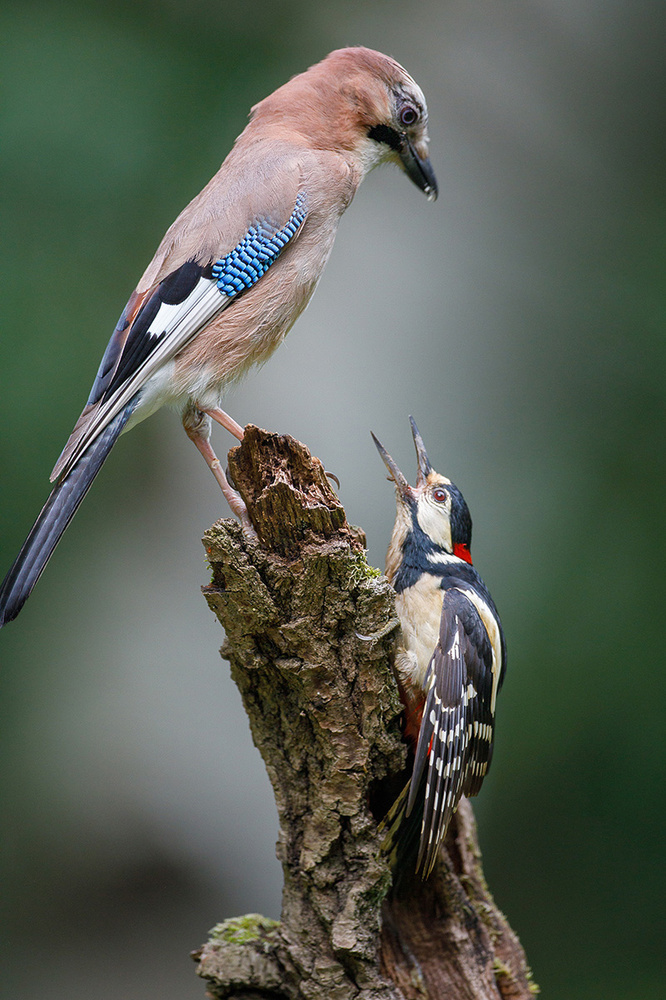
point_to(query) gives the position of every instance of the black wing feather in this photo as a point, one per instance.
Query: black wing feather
(140, 343)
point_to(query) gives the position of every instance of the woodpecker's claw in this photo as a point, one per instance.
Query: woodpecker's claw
(390, 626)
(331, 475)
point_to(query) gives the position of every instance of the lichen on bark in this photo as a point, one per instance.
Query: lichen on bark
(310, 630)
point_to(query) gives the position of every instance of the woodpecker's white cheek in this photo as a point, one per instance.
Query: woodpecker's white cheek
(436, 523)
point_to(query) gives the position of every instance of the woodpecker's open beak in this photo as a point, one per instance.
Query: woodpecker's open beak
(404, 489)
(418, 169)
(425, 468)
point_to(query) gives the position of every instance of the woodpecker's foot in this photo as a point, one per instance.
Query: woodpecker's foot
(332, 475)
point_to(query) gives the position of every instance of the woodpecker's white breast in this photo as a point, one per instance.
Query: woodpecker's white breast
(420, 609)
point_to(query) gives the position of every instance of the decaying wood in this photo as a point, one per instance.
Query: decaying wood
(310, 632)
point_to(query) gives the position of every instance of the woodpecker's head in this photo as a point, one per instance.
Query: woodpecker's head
(432, 514)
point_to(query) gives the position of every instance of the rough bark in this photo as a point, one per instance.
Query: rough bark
(310, 632)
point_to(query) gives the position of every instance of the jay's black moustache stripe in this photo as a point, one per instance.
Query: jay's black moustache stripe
(387, 135)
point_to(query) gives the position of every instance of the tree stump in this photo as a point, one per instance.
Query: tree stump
(310, 630)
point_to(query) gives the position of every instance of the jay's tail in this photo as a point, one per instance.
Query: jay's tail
(56, 514)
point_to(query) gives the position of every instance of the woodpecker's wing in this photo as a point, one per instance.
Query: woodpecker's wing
(161, 319)
(455, 739)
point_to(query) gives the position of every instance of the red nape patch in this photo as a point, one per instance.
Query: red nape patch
(462, 552)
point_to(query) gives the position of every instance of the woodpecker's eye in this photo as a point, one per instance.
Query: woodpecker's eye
(439, 495)
(409, 115)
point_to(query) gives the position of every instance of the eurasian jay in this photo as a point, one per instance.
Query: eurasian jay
(235, 270)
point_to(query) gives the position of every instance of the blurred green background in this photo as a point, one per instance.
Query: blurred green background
(520, 319)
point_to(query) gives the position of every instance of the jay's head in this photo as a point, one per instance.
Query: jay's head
(434, 507)
(360, 102)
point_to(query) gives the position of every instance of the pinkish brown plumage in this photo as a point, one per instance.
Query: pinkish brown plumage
(258, 236)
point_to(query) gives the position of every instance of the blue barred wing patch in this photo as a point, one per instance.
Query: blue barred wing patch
(259, 248)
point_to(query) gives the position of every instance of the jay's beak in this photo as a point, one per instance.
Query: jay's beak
(418, 169)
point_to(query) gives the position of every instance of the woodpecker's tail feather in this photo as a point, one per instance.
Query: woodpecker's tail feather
(56, 514)
(408, 844)
(402, 832)
(392, 828)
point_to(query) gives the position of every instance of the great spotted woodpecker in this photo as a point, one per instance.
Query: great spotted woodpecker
(451, 654)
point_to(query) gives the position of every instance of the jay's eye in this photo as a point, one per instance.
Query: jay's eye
(439, 495)
(408, 115)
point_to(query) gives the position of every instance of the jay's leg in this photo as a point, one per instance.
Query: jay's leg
(197, 427)
(220, 417)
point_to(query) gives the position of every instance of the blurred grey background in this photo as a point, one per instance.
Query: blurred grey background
(520, 319)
